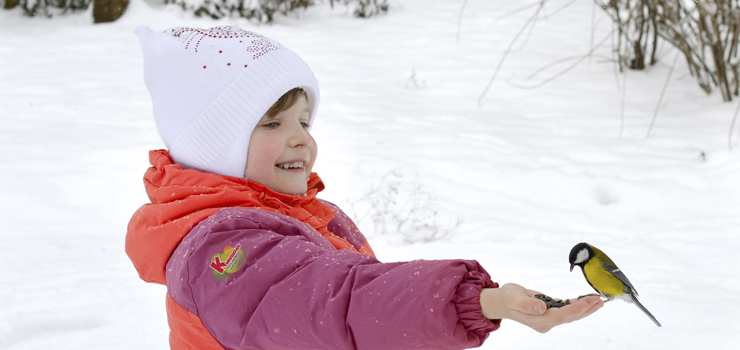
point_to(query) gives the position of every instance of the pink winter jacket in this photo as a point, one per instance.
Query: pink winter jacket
(250, 276)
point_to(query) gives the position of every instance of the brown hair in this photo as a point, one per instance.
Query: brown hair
(286, 101)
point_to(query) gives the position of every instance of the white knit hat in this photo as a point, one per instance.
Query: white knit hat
(210, 87)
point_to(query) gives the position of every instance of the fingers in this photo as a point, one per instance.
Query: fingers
(532, 306)
(557, 316)
(520, 299)
(575, 311)
(598, 303)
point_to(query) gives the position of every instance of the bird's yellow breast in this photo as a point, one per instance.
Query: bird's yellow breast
(602, 280)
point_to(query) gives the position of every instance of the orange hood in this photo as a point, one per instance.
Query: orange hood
(180, 199)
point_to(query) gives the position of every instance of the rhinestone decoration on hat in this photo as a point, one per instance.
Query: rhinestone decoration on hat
(258, 45)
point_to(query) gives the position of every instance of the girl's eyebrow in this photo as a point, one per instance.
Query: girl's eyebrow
(307, 110)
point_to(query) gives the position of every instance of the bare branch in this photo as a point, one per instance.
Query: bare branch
(662, 93)
(566, 70)
(459, 19)
(621, 108)
(508, 50)
(732, 127)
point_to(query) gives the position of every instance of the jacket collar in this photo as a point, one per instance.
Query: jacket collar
(181, 198)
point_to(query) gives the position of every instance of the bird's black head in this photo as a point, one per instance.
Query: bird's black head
(580, 255)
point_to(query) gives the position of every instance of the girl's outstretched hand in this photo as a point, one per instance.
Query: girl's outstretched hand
(517, 303)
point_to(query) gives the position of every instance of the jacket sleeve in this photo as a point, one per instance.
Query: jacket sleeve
(286, 287)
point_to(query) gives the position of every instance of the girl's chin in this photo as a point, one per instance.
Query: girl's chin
(294, 192)
(292, 187)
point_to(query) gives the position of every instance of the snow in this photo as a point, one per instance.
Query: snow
(533, 169)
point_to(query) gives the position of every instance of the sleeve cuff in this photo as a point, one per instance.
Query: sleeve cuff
(467, 301)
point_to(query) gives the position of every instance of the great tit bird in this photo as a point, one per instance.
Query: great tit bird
(604, 276)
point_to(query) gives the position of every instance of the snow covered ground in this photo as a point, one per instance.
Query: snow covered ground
(532, 171)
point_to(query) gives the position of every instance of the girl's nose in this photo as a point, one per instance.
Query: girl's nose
(299, 136)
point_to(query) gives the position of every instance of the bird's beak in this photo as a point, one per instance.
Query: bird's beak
(571, 267)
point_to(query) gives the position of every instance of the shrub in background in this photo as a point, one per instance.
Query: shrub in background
(401, 210)
(706, 33)
(258, 10)
(265, 10)
(48, 7)
(262, 11)
(364, 8)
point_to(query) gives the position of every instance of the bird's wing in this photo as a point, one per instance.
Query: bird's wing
(614, 270)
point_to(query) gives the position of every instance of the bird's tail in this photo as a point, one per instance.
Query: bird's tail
(633, 299)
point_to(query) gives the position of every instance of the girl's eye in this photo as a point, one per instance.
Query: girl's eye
(305, 125)
(271, 125)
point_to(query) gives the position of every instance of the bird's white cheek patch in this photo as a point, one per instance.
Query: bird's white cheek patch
(582, 256)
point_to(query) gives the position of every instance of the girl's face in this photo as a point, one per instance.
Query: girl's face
(281, 151)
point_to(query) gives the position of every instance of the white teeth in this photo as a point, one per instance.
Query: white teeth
(293, 165)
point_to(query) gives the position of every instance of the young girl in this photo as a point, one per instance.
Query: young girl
(251, 258)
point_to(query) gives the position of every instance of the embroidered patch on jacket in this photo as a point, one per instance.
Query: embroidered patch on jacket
(228, 262)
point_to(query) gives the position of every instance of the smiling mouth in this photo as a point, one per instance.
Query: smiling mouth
(292, 165)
